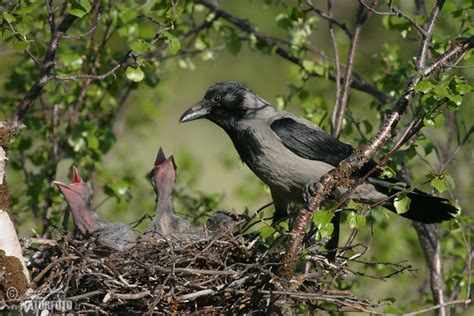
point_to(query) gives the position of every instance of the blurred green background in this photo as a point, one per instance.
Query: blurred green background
(208, 163)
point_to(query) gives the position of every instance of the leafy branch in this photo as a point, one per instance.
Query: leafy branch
(357, 84)
(360, 156)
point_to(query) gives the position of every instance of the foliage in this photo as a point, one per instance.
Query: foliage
(114, 48)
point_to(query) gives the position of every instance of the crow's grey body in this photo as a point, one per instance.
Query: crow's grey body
(286, 152)
(285, 173)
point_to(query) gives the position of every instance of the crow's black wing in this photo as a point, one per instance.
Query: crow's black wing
(315, 144)
(310, 143)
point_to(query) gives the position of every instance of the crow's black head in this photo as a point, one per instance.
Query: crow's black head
(224, 103)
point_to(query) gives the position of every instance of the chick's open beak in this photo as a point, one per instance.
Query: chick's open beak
(197, 111)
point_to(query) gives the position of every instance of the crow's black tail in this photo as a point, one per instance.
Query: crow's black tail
(423, 207)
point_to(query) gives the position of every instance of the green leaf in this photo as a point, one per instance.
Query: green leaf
(92, 142)
(356, 220)
(86, 5)
(7, 34)
(308, 65)
(140, 46)
(127, 14)
(368, 126)
(402, 203)
(456, 99)
(388, 172)
(20, 46)
(435, 122)
(232, 41)
(441, 91)
(439, 185)
(426, 144)
(283, 226)
(23, 28)
(438, 121)
(266, 232)
(8, 17)
(173, 43)
(283, 21)
(79, 8)
(280, 103)
(459, 86)
(322, 217)
(77, 143)
(428, 121)
(312, 67)
(326, 230)
(450, 181)
(134, 74)
(424, 86)
(464, 88)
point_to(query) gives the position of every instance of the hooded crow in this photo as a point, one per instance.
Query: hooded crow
(287, 152)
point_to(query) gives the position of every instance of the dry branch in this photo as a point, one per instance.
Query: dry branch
(230, 273)
(360, 156)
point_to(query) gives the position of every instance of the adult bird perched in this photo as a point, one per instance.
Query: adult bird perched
(117, 236)
(287, 152)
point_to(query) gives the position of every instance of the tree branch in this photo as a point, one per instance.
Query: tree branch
(430, 243)
(340, 108)
(334, 131)
(396, 12)
(249, 29)
(362, 154)
(428, 28)
(46, 68)
(329, 18)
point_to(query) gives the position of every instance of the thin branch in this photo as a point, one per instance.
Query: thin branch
(329, 18)
(428, 28)
(340, 108)
(205, 292)
(95, 77)
(265, 39)
(338, 71)
(51, 18)
(124, 62)
(420, 7)
(428, 236)
(435, 307)
(358, 158)
(456, 151)
(80, 36)
(196, 271)
(21, 38)
(396, 12)
(125, 296)
(46, 68)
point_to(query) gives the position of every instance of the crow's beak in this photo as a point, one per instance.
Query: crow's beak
(197, 111)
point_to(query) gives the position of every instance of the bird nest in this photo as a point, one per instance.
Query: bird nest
(225, 273)
(176, 267)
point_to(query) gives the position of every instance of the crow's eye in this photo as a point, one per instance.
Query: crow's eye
(216, 98)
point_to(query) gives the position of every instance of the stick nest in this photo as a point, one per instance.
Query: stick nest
(224, 273)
